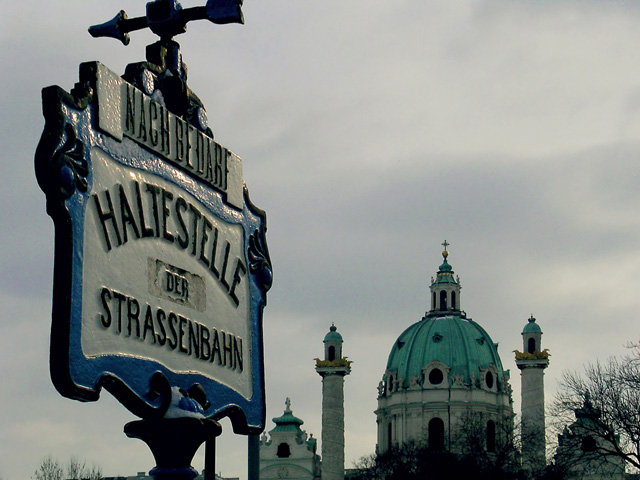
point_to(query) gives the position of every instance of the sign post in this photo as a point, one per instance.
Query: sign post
(161, 263)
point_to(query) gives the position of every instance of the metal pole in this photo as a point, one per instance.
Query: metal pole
(210, 459)
(253, 447)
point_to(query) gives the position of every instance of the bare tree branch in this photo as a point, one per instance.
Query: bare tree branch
(74, 469)
(49, 469)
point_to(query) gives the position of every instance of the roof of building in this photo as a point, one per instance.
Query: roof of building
(447, 336)
(333, 335)
(532, 326)
(459, 343)
(445, 272)
(287, 422)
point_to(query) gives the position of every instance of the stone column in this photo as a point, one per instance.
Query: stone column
(532, 361)
(333, 369)
(532, 407)
(332, 426)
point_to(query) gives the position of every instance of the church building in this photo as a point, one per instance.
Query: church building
(288, 452)
(442, 371)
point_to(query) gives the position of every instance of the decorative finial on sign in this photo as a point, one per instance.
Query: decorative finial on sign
(164, 70)
(167, 18)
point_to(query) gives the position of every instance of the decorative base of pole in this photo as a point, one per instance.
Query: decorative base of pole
(173, 443)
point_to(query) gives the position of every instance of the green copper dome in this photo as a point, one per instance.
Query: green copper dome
(287, 422)
(459, 343)
(333, 335)
(446, 335)
(445, 273)
(532, 326)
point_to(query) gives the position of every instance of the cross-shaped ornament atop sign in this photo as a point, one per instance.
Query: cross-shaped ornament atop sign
(167, 18)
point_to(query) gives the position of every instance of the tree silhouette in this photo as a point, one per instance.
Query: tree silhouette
(74, 469)
(473, 455)
(598, 416)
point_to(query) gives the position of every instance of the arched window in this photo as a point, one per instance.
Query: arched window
(389, 436)
(491, 436)
(443, 300)
(433, 301)
(283, 451)
(332, 353)
(436, 434)
(390, 383)
(453, 300)
(531, 345)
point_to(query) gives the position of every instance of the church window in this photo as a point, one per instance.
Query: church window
(436, 434)
(531, 345)
(491, 436)
(389, 435)
(283, 451)
(433, 301)
(390, 383)
(436, 376)
(488, 378)
(443, 300)
(332, 353)
(453, 300)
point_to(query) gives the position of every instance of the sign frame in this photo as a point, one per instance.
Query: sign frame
(77, 124)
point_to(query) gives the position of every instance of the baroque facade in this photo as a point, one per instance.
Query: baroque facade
(288, 452)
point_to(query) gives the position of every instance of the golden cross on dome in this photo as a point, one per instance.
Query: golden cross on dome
(445, 244)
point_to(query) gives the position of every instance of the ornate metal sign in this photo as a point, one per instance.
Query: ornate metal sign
(161, 264)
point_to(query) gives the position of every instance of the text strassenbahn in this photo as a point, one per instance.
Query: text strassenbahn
(127, 316)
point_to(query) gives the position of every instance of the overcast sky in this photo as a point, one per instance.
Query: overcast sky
(370, 131)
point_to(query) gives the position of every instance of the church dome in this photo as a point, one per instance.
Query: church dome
(532, 326)
(287, 422)
(459, 350)
(446, 269)
(333, 335)
(459, 344)
(442, 370)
